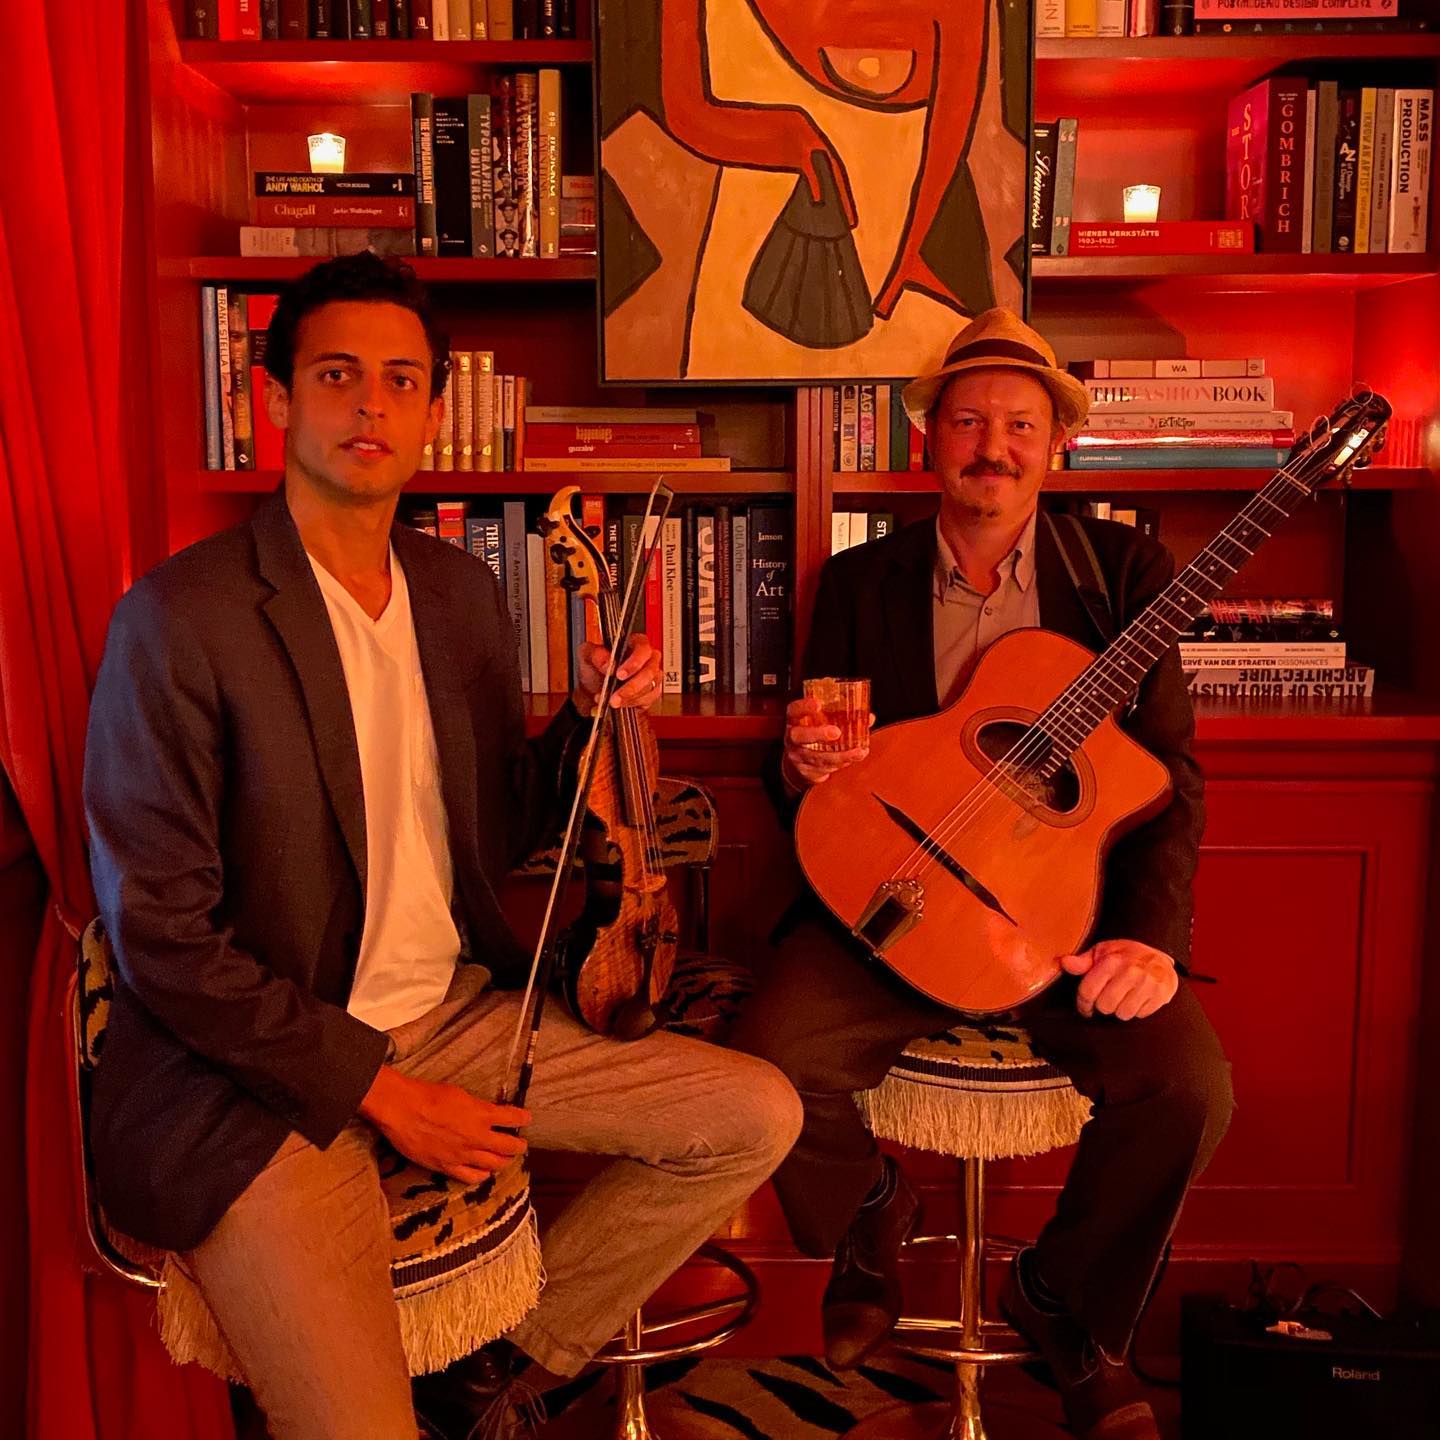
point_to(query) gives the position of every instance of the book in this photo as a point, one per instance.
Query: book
(1265, 145)
(210, 368)
(548, 163)
(1364, 171)
(422, 129)
(1307, 194)
(848, 459)
(1231, 457)
(1327, 123)
(865, 429)
(1347, 165)
(1178, 439)
(1110, 18)
(371, 185)
(463, 362)
(624, 464)
(484, 540)
(445, 437)
(740, 601)
(1380, 176)
(1219, 653)
(771, 571)
(672, 601)
(608, 415)
(1050, 19)
(690, 597)
(269, 438)
(502, 131)
(227, 399)
(1178, 368)
(1043, 143)
(1348, 682)
(450, 522)
(705, 657)
(1410, 170)
(292, 242)
(1107, 421)
(1269, 10)
(348, 212)
(1253, 393)
(482, 180)
(451, 141)
(577, 214)
(527, 170)
(724, 605)
(553, 436)
(1161, 237)
(535, 638)
(1081, 18)
(1066, 139)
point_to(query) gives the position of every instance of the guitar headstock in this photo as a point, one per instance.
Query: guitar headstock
(1345, 438)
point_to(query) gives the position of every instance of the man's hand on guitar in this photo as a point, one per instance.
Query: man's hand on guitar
(639, 675)
(1123, 978)
(442, 1127)
(802, 765)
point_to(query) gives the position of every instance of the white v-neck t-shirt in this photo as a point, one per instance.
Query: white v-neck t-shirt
(410, 945)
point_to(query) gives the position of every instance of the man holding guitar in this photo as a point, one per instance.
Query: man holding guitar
(914, 613)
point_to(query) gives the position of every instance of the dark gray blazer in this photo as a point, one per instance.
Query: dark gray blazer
(227, 827)
(874, 616)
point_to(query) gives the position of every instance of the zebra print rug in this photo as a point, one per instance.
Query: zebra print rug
(789, 1397)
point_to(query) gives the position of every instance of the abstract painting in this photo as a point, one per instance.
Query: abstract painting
(806, 190)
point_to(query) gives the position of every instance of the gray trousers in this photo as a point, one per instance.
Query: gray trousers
(297, 1271)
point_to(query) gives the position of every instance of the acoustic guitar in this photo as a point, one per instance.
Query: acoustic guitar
(967, 851)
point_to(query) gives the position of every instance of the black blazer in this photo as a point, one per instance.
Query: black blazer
(227, 826)
(874, 616)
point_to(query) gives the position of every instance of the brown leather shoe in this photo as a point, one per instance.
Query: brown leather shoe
(862, 1301)
(1103, 1400)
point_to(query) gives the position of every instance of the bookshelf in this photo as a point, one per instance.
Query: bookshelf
(1344, 794)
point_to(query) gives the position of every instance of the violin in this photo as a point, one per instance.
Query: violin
(614, 961)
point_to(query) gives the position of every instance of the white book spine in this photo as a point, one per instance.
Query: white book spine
(1110, 18)
(839, 531)
(1049, 19)
(1410, 170)
(672, 601)
(1380, 181)
(535, 589)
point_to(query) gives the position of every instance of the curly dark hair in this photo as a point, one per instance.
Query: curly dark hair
(366, 276)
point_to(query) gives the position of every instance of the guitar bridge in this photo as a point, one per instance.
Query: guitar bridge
(896, 908)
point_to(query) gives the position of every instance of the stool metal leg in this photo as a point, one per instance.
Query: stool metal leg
(966, 1423)
(631, 1422)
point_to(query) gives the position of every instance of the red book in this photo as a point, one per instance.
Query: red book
(557, 432)
(1299, 10)
(1265, 162)
(239, 19)
(592, 518)
(655, 601)
(379, 212)
(619, 449)
(1161, 237)
(269, 438)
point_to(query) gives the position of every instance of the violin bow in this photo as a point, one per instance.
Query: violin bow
(542, 966)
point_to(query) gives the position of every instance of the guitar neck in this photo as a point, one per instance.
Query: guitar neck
(1117, 672)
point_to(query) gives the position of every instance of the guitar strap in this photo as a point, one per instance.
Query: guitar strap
(1083, 567)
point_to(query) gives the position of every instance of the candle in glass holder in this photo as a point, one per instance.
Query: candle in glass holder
(1142, 203)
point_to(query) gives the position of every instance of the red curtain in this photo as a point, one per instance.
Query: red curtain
(73, 397)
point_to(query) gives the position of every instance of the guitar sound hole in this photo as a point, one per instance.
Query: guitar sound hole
(1028, 756)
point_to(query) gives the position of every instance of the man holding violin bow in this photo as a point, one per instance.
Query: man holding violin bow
(913, 613)
(306, 775)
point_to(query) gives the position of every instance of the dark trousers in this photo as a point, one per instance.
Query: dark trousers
(834, 1023)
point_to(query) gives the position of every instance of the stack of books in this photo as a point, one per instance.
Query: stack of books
(1180, 414)
(580, 438)
(870, 430)
(1325, 167)
(300, 214)
(717, 595)
(1271, 649)
(380, 19)
(1087, 19)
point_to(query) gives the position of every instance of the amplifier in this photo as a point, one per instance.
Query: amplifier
(1370, 1380)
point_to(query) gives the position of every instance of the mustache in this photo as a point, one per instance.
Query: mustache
(980, 468)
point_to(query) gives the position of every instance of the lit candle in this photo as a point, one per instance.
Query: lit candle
(1142, 202)
(327, 154)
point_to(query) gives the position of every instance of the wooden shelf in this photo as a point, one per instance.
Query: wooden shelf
(567, 269)
(497, 483)
(1232, 272)
(1125, 74)
(1057, 482)
(1390, 716)
(365, 71)
(727, 718)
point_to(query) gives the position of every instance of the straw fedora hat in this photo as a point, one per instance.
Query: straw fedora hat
(1001, 338)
